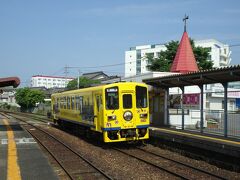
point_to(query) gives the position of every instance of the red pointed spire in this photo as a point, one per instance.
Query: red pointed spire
(184, 60)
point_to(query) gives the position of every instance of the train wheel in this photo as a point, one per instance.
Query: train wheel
(88, 133)
(100, 137)
(143, 143)
(60, 123)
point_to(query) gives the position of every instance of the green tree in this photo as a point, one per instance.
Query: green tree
(165, 59)
(202, 55)
(83, 83)
(27, 98)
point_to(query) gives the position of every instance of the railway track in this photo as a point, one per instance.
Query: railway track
(151, 160)
(73, 164)
(28, 115)
(171, 166)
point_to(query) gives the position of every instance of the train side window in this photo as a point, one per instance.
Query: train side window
(127, 101)
(68, 103)
(57, 102)
(99, 101)
(65, 102)
(80, 103)
(77, 102)
(73, 103)
(60, 103)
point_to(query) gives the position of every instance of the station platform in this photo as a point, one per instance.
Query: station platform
(20, 155)
(216, 144)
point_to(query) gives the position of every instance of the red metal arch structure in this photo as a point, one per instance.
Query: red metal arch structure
(9, 81)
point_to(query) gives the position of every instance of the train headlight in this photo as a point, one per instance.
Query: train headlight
(143, 115)
(112, 117)
(128, 115)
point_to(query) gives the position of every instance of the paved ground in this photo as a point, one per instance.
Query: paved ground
(20, 155)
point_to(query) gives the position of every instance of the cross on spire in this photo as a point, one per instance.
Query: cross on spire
(185, 22)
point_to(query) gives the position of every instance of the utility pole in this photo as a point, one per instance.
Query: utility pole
(78, 78)
(66, 74)
(66, 71)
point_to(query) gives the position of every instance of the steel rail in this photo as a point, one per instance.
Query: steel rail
(154, 165)
(69, 148)
(184, 164)
(28, 115)
(52, 155)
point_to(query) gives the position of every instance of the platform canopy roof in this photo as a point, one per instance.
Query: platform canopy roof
(219, 75)
(184, 60)
(9, 81)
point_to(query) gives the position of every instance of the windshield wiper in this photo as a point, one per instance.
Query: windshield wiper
(139, 105)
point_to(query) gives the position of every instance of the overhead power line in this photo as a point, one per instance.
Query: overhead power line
(119, 64)
(110, 65)
(66, 68)
(234, 45)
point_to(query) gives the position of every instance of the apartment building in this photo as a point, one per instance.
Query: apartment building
(49, 81)
(136, 63)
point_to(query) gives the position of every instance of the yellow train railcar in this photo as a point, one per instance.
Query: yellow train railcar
(118, 111)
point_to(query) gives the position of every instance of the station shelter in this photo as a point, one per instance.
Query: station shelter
(192, 106)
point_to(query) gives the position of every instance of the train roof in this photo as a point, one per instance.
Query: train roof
(95, 88)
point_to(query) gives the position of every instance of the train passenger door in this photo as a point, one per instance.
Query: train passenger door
(128, 110)
(98, 111)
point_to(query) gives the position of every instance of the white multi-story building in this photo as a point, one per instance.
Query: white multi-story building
(8, 96)
(219, 52)
(49, 81)
(135, 61)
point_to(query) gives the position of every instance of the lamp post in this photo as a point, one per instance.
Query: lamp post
(78, 78)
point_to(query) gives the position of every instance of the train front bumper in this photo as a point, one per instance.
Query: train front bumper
(118, 135)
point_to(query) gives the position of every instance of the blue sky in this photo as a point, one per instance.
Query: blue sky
(41, 37)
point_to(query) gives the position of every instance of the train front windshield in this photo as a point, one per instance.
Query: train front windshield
(112, 98)
(141, 97)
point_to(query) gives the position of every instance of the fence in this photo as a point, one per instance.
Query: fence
(213, 121)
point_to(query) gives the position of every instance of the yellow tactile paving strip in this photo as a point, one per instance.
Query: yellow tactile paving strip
(199, 136)
(12, 167)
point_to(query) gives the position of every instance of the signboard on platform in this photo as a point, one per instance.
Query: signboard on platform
(191, 101)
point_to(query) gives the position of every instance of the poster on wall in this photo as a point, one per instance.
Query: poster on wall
(191, 100)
